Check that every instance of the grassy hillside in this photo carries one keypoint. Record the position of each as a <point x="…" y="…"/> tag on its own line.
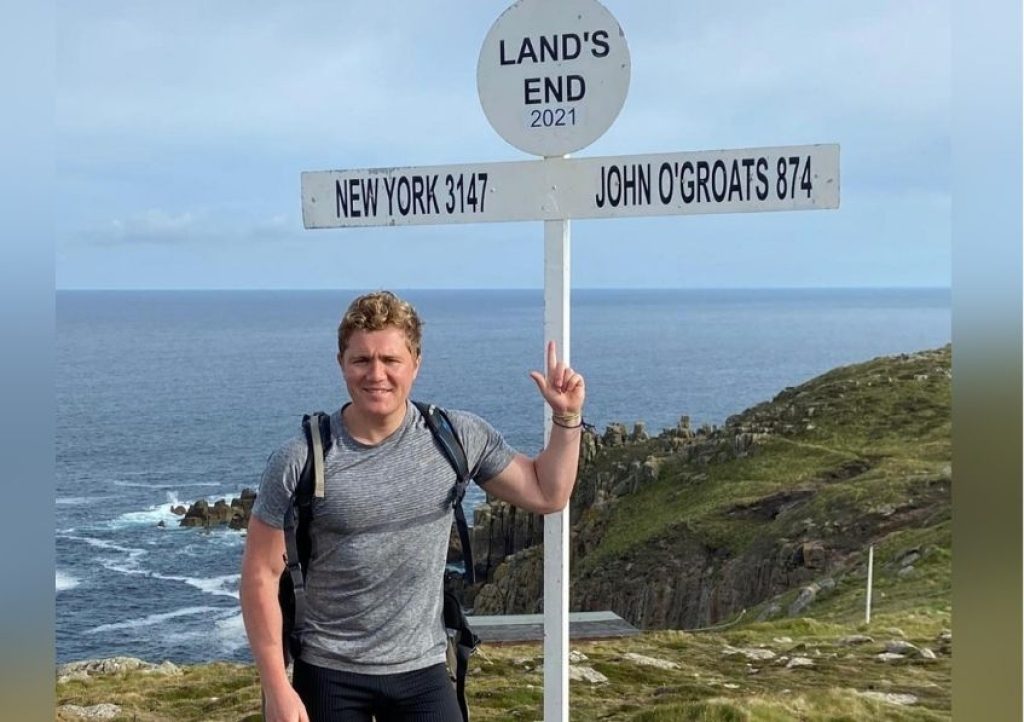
<point x="710" y="681"/>
<point x="856" y="458"/>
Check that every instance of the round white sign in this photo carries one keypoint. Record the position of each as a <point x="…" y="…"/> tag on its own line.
<point x="553" y="74"/>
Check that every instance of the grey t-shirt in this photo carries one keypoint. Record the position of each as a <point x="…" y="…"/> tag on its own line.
<point x="379" y="540"/>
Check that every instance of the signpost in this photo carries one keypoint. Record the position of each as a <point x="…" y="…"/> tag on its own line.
<point x="787" y="178"/>
<point x="552" y="77"/>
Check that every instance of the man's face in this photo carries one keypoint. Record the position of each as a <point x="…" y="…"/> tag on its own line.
<point x="379" y="369"/>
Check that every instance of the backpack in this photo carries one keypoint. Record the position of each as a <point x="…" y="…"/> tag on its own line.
<point x="291" y="593"/>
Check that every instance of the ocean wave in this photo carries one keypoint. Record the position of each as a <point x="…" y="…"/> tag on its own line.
<point x="163" y="485"/>
<point x="230" y="633"/>
<point x="127" y="561"/>
<point x="151" y="619"/>
<point x="151" y="516"/>
<point x="223" y="586"/>
<point x="222" y="538"/>
<point x="80" y="500"/>
<point x="107" y="545"/>
<point x="218" y="586"/>
<point x="65" y="581"/>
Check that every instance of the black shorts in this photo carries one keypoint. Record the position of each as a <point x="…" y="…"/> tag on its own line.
<point x="423" y="695"/>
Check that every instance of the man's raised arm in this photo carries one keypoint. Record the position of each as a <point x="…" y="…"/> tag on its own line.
<point x="544" y="484"/>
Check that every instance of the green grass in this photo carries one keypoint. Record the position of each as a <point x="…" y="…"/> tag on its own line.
<point x="506" y="682"/>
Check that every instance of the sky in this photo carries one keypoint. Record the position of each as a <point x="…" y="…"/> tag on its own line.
<point x="182" y="129"/>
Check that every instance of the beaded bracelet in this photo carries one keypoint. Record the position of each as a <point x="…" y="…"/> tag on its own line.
<point x="566" y="421"/>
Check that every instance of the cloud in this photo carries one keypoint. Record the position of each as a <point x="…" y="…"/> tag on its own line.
<point x="185" y="125"/>
<point x="151" y="226"/>
<point x="157" y="227"/>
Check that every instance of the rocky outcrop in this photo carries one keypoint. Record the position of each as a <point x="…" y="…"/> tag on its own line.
<point x="112" y="665"/>
<point x="614" y="464"/>
<point x="234" y="514"/>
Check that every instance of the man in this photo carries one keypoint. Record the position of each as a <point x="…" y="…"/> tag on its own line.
<point x="375" y="644"/>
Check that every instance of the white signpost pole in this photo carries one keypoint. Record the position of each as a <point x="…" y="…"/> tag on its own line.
<point x="552" y="77"/>
<point x="556" y="526"/>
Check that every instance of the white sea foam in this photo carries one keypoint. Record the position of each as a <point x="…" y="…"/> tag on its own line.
<point x="151" y="619"/>
<point x="66" y="581"/>
<point x="127" y="561"/>
<point x="225" y="538"/>
<point x="148" y="517"/>
<point x="223" y="586"/>
<point x="230" y="633"/>
<point x="104" y="544"/>
<point x="158" y="485"/>
<point x="78" y="500"/>
<point x="153" y="515"/>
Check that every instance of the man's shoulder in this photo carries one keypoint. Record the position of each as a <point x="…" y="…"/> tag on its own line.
<point x="297" y="445"/>
<point x="460" y="418"/>
<point x="294" y="447"/>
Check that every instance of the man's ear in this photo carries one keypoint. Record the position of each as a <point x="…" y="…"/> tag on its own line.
<point x="341" y="359"/>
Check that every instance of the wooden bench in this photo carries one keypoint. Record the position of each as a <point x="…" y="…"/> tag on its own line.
<point x="508" y="628"/>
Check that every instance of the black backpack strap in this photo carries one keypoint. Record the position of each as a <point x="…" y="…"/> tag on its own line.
<point x="465" y="642"/>
<point x="317" y="430"/>
<point x="444" y="434"/>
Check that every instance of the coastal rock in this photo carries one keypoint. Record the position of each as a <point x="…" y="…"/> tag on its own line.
<point x="889" y="697"/>
<point x="234" y="513"/>
<point x="578" y="673"/>
<point x="198" y="514"/>
<point x="499" y="531"/>
<point x="113" y="665"/>
<point x="614" y="435"/>
<point x="751" y="653"/>
<point x="799" y="662"/>
<point x="516" y="586"/>
<point x="899" y="646"/>
<point x="645" y="661"/>
<point x="808" y="594"/>
<point x="96" y="711"/>
<point x="639" y="432"/>
<point x="889" y="657"/>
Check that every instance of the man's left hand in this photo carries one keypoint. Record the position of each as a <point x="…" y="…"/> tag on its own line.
<point x="562" y="388"/>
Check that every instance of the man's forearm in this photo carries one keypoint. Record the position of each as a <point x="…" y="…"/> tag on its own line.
<point x="261" y="614"/>
<point x="558" y="464"/>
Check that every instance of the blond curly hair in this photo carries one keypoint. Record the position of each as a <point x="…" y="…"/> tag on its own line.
<point x="377" y="311"/>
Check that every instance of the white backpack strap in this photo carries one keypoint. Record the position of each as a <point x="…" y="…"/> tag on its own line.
<point x="318" y="458"/>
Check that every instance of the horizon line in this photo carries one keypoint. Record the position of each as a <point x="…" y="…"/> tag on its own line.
<point x="522" y="288"/>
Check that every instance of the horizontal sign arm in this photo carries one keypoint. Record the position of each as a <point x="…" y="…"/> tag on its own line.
<point x="788" y="178"/>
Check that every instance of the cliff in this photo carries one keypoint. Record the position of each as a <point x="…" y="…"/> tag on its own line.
<point x="771" y="513"/>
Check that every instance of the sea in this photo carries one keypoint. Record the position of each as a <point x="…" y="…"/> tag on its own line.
<point x="167" y="397"/>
